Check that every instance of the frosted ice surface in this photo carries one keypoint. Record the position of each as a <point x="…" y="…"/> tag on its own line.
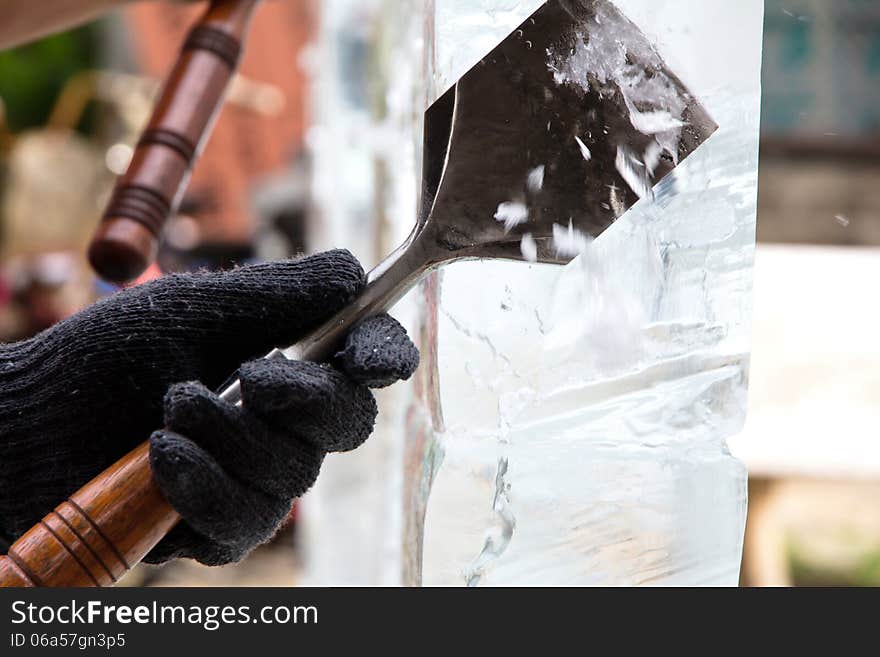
<point x="465" y="31"/>
<point x="586" y="409"/>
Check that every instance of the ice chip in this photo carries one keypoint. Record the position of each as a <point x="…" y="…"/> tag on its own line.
<point x="529" y="248"/>
<point x="651" y="123"/>
<point x="633" y="173"/>
<point x="616" y="200"/>
<point x="569" y="241"/>
<point x="652" y="157"/>
<point x="584" y="150"/>
<point x="535" y="181"/>
<point x="512" y="214"/>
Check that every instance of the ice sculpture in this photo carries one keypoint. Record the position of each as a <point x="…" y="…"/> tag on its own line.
<point x="572" y="421"/>
<point x="580" y="432"/>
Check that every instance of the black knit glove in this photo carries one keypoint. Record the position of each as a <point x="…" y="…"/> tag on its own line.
<point x="79" y="396"/>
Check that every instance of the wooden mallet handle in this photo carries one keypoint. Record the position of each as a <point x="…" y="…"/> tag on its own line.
<point x="143" y="199"/>
<point x="98" y="534"/>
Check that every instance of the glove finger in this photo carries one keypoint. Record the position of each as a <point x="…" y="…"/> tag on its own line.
<point x="208" y="499"/>
<point x="378" y="352"/>
<point x="183" y="542"/>
<point x="319" y="402"/>
<point x="275" y="462"/>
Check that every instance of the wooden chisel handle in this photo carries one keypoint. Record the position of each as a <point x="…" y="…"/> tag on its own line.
<point x="149" y="192"/>
<point x="98" y="534"/>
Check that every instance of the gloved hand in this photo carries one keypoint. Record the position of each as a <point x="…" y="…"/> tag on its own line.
<point x="80" y="395"/>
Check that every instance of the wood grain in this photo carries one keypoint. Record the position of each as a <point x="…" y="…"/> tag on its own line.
<point x="93" y="538"/>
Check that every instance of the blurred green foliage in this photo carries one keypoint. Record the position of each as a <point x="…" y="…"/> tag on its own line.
<point x="32" y="75"/>
<point x="863" y="571"/>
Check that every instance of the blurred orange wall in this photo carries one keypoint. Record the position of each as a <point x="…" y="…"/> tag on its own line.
<point x="244" y="144"/>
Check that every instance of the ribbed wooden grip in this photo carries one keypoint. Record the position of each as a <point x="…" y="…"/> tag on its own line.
<point x="93" y="538"/>
<point x="127" y="239"/>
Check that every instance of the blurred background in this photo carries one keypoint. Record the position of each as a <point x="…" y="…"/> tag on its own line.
<point x="72" y="105"/>
<point x="811" y="435"/>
